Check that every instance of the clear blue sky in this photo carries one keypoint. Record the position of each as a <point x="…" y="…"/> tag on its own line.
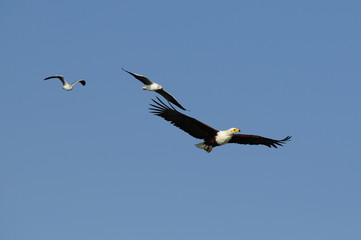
<point x="94" y="164"/>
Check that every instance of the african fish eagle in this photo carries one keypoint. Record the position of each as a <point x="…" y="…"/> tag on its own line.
<point x="211" y="136"/>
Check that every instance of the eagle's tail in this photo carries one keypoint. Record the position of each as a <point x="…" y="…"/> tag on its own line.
<point x="204" y="146"/>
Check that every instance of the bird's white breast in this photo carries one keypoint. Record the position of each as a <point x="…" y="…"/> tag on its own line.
<point x="67" y="87"/>
<point x="223" y="137"/>
<point x="153" y="87"/>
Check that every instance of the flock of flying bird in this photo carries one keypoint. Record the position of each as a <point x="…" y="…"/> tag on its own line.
<point x="211" y="137"/>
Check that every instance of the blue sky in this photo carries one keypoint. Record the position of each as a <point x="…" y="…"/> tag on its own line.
<point x="93" y="163"/>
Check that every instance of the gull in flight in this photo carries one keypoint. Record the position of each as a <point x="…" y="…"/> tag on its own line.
<point x="66" y="85"/>
<point x="152" y="86"/>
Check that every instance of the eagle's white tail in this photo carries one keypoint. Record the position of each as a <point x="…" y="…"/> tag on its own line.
<point x="204" y="146"/>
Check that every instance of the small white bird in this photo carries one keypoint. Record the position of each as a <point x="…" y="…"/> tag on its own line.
<point x="152" y="86"/>
<point x="66" y="85"/>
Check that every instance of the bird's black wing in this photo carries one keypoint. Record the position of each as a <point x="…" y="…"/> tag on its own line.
<point x="170" y="98"/>
<point x="190" y="125"/>
<point x="61" y="77"/>
<point x="141" y="78"/>
<point x="257" y="140"/>
<point x="83" y="82"/>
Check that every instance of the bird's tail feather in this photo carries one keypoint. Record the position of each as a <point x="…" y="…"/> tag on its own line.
<point x="204" y="146"/>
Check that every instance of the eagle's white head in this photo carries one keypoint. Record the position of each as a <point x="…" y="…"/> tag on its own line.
<point x="233" y="130"/>
<point x="223" y="137"/>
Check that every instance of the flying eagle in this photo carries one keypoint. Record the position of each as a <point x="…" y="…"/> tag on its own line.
<point x="152" y="86"/>
<point x="66" y="85"/>
<point x="211" y="136"/>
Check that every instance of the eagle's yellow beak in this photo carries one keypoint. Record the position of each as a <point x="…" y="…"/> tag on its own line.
<point x="237" y="130"/>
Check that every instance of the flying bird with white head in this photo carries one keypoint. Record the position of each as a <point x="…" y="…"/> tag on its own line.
<point x="66" y="85"/>
<point x="152" y="86"/>
<point x="212" y="137"/>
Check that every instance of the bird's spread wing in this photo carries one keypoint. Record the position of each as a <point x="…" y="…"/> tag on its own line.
<point x="141" y="78"/>
<point x="170" y="98"/>
<point x="190" y="125"/>
<point x="61" y="77"/>
<point x="257" y="140"/>
<point x="83" y="82"/>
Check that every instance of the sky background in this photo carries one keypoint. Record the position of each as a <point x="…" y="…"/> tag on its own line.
<point x="93" y="163"/>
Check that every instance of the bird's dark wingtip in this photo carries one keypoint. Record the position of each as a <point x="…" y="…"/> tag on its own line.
<point x="286" y="139"/>
<point x="128" y="72"/>
<point x="281" y="142"/>
<point x="181" y="107"/>
<point x="160" y="104"/>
